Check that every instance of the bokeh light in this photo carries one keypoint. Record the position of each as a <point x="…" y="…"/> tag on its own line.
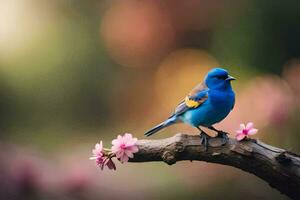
<point x="180" y="71"/>
<point x="136" y="33"/>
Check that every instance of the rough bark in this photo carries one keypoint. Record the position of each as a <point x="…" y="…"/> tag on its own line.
<point x="278" y="167"/>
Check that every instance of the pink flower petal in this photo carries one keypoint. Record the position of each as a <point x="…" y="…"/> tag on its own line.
<point x="127" y="136"/>
<point x="115" y="142"/>
<point x="242" y="126"/>
<point x="118" y="140"/>
<point x="249" y="125"/>
<point x="124" y="158"/>
<point x="240" y="137"/>
<point x="100" y="162"/>
<point x="94" y="151"/>
<point x="124" y="147"/>
<point x="120" y="154"/>
<point x="98" y="150"/>
<point x="134" y="149"/>
<point x="129" y="153"/>
<point x="114" y="149"/>
<point x="132" y="142"/>
<point x="93" y="158"/>
<point x="239" y="131"/>
<point x="252" y="131"/>
<point x="129" y="140"/>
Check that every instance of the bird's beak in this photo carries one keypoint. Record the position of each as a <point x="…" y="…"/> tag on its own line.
<point x="230" y="78"/>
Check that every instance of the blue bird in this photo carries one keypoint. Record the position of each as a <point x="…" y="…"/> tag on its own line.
<point x="208" y="103"/>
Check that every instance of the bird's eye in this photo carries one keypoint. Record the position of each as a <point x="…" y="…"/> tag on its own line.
<point x="223" y="77"/>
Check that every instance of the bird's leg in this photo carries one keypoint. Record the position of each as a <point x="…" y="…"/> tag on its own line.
<point x="221" y="134"/>
<point x="204" y="138"/>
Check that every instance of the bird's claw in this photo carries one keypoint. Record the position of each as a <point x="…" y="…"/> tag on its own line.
<point x="224" y="136"/>
<point x="204" y="139"/>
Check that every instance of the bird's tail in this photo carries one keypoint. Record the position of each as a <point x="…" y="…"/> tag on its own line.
<point x="168" y="122"/>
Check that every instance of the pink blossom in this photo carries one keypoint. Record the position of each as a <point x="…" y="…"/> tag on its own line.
<point x="98" y="151"/>
<point x="124" y="147"/>
<point x="100" y="157"/>
<point x="98" y="154"/>
<point x="244" y="131"/>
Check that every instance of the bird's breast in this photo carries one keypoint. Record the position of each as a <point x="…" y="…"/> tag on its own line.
<point x="222" y="99"/>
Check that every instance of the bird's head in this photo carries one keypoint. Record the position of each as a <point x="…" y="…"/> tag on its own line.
<point x="218" y="78"/>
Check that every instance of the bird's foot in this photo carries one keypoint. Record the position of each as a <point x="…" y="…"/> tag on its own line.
<point x="204" y="139"/>
<point x="224" y="136"/>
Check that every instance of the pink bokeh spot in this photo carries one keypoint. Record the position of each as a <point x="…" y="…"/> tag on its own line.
<point x="124" y="147"/>
<point x="245" y="130"/>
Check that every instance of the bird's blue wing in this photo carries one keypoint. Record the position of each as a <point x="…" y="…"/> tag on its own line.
<point x="196" y="97"/>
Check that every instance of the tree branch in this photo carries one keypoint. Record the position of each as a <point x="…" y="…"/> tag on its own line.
<point x="278" y="167"/>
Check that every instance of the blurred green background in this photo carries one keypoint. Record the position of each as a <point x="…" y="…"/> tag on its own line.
<point x="75" y="72"/>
